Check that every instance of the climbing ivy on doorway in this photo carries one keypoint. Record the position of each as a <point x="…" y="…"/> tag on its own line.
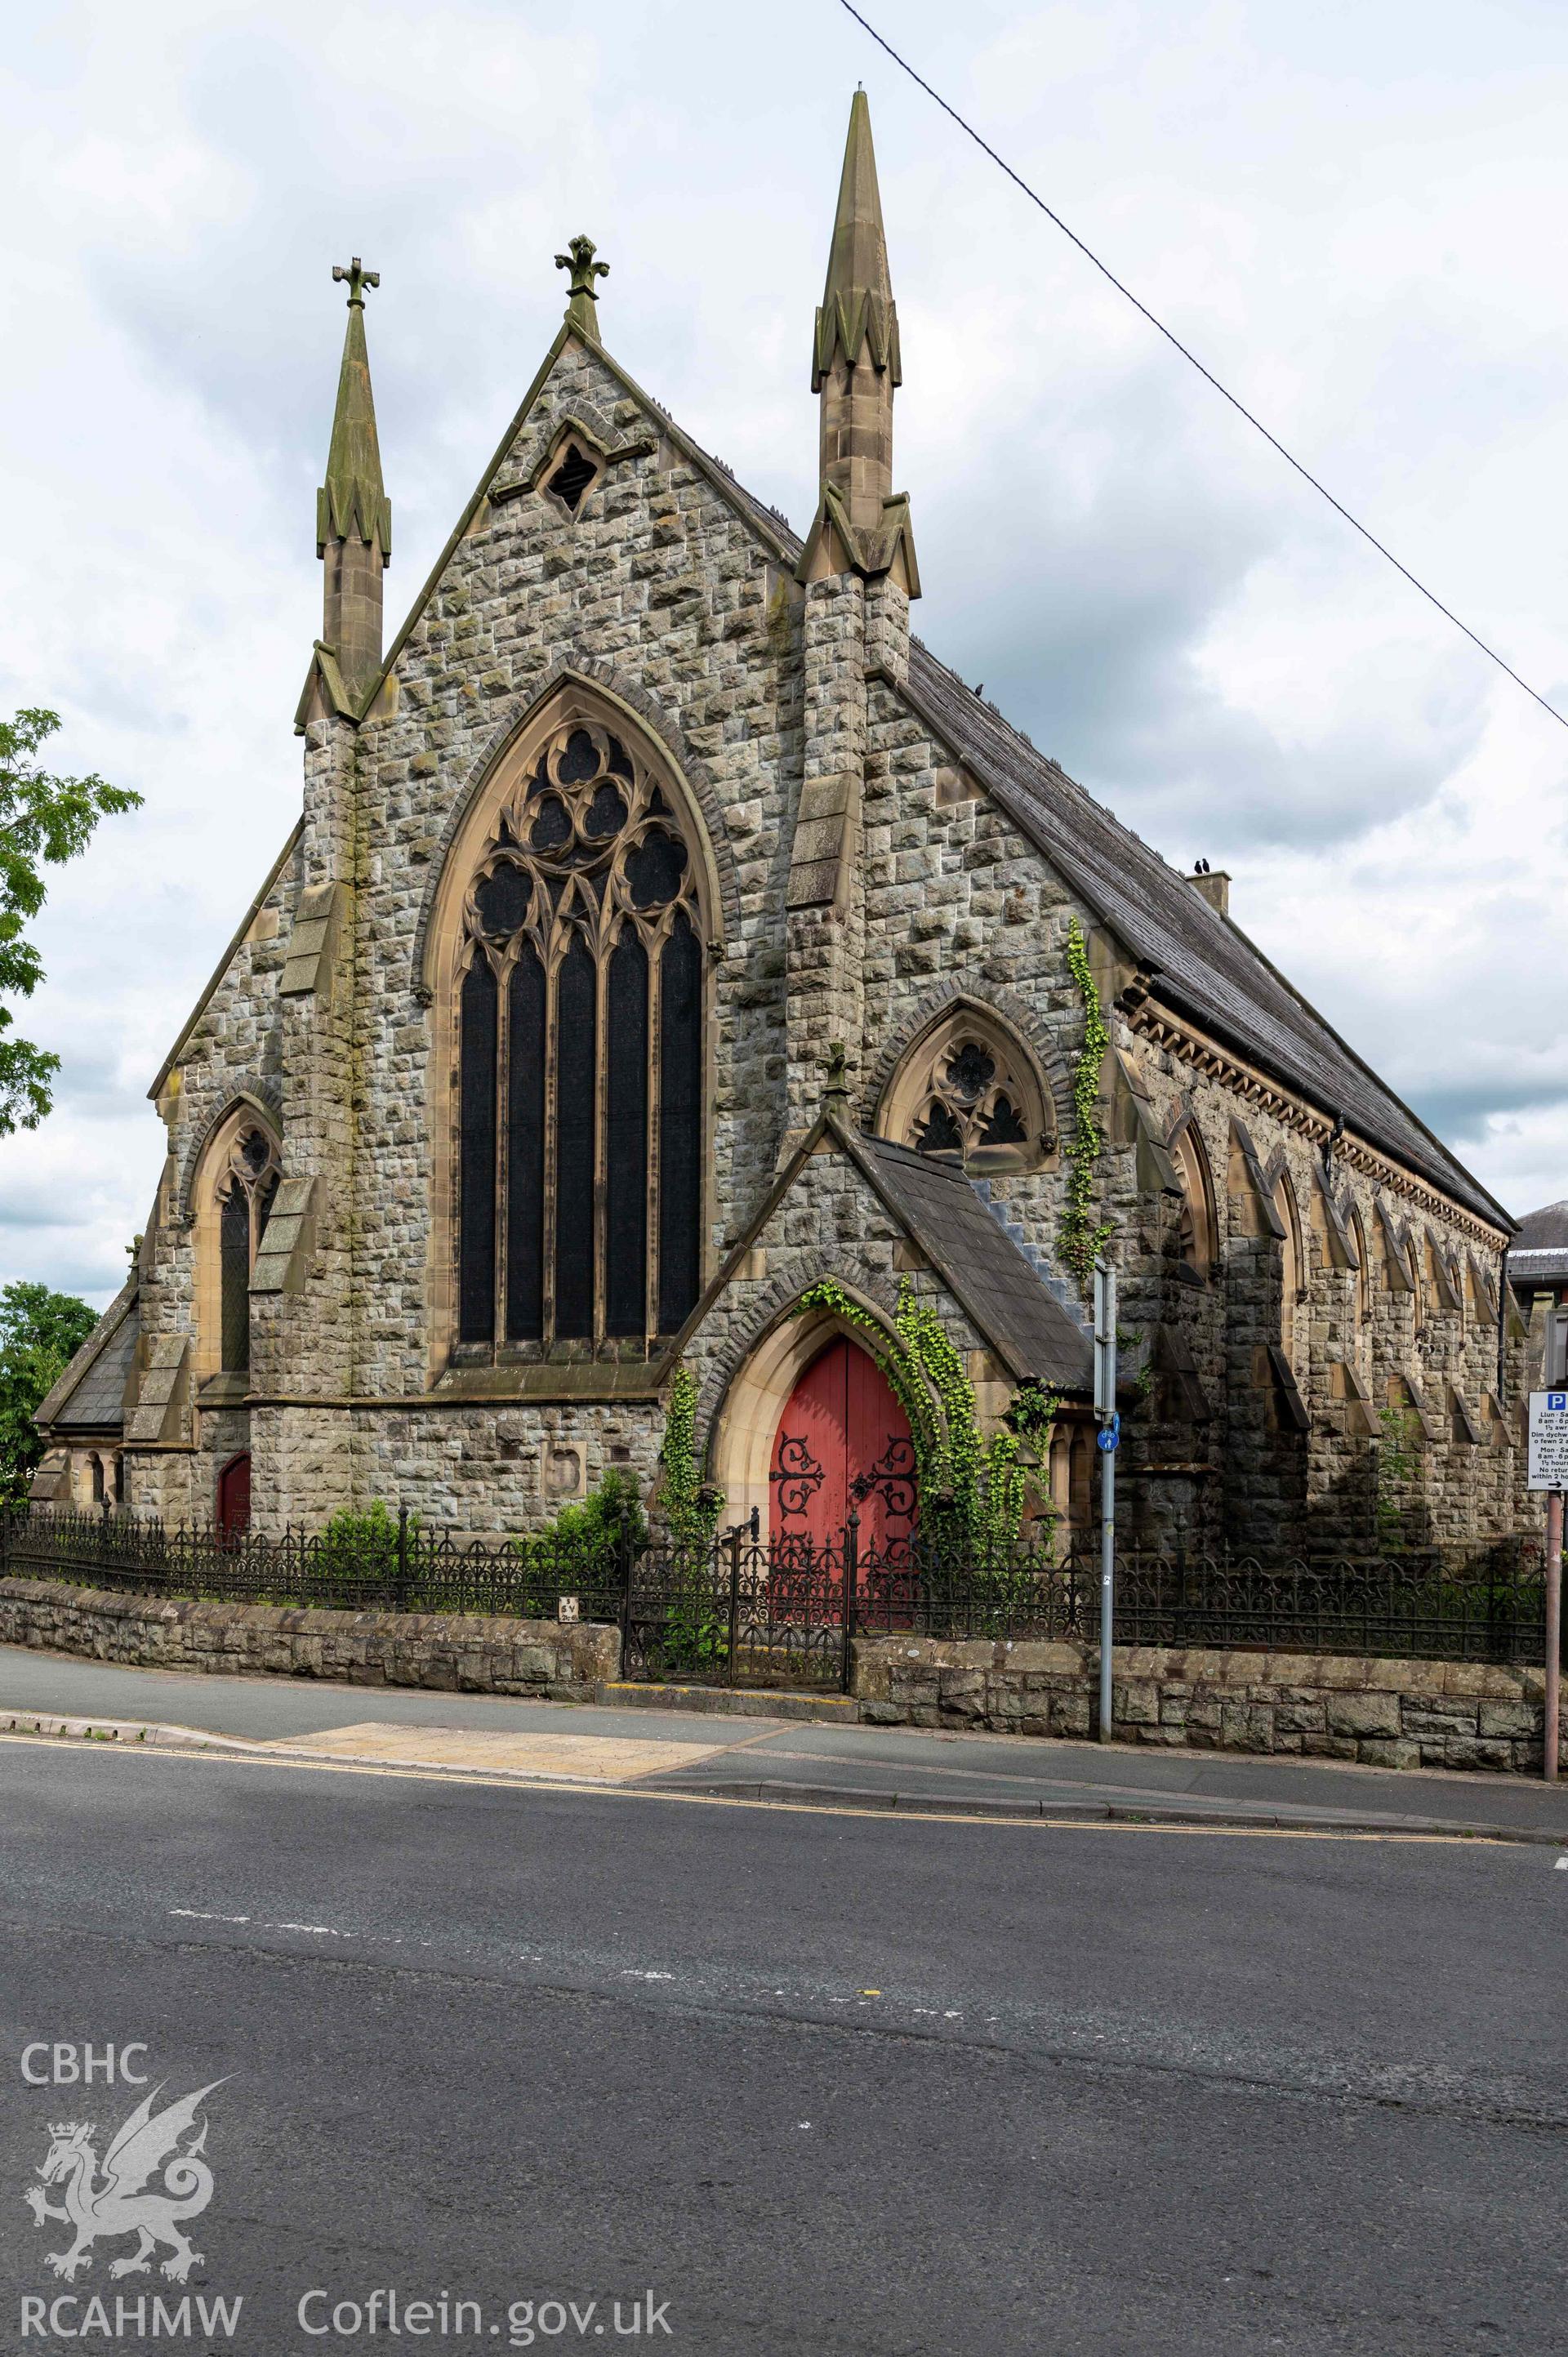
<point x="973" y="1489"/>
<point x="1080" y="1238"/>
<point x="691" y="1507"/>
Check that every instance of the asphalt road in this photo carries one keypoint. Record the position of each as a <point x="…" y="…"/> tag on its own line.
<point x="820" y="2083"/>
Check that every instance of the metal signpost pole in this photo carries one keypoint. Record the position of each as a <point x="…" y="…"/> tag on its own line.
<point x="1110" y="1433"/>
<point x="1552" y="1729"/>
<point x="1548" y="1466"/>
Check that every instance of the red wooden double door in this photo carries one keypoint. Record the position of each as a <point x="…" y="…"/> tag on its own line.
<point x="842" y="1444"/>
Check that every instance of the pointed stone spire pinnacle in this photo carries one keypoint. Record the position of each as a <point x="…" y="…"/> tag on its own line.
<point x="857" y="313"/>
<point x="582" y="309"/>
<point x="861" y="525"/>
<point x="352" y="499"/>
<point x="353" y="514"/>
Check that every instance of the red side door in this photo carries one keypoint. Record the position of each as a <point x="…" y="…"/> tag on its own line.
<point x="843" y="1441"/>
<point x="234" y="1497"/>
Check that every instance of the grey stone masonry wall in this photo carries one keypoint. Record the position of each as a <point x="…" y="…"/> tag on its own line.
<point x="451" y="1652"/>
<point x="236" y="1049"/>
<point x="1386" y="1713"/>
<point x="1360" y="1334"/>
<point x="660" y="591"/>
<point x="304" y="1340"/>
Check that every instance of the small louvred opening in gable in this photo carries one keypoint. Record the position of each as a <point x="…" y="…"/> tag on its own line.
<point x="573" y="477"/>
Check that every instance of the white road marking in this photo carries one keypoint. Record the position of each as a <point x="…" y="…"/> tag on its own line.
<point x="204" y="1915"/>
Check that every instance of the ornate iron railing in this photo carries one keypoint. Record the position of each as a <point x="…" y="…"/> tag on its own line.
<point x="399" y="1567"/>
<point x="748" y="1610"/>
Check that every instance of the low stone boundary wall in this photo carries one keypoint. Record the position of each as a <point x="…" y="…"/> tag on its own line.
<point x="1387" y="1714"/>
<point x="453" y="1653"/>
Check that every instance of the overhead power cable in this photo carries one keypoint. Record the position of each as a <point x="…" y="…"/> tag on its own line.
<point x="1208" y="374"/>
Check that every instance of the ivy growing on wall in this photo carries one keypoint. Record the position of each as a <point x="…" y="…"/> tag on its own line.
<point x="1397" y="1462"/>
<point x="691" y="1507"/>
<point x="973" y="1489"/>
<point x="1080" y="1239"/>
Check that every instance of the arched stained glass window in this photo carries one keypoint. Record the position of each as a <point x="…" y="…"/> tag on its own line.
<point x="580" y="1042"/>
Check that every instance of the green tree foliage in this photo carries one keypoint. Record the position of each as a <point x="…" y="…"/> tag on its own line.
<point x="586" y="1540"/>
<point x="361" y="1543"/>
<point x="40" y="1332"/>
<point x="44" y="822"/>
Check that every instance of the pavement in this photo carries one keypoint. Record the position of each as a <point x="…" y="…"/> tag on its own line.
<point x="799" y="1763"/>
<point x="787" y="2082"/>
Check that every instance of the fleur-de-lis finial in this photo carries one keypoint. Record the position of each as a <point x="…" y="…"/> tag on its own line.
<point x="582" y="311"/>
<point x="358" y="278"/>
<point x="578" y="259"/>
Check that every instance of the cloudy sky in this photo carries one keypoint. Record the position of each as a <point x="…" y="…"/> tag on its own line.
<point x="1354" y="212"/>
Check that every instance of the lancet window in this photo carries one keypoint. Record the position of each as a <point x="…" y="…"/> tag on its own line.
<point x="247" y="1184"/>
<point x="1197" y="1246"/>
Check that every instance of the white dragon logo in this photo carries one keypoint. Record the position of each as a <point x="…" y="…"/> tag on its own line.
<point x="121" y="2201"/>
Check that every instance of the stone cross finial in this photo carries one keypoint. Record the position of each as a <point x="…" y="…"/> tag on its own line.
<point x="358" y="278"/>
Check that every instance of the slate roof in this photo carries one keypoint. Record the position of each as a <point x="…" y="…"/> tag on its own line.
<point x="1539" y="1253"/>
<point x="90" y="1395"/>
<point x="1005" y="1296"/>
<point x="1542" y="1230"/>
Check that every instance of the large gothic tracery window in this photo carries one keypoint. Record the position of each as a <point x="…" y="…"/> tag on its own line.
<point x="580" y="1043"/>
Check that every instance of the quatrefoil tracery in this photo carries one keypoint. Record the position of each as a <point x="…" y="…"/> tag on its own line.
<point x="972" y="1102"/>
<point x="252" y="1167"/>
<point x="587" y="846"/>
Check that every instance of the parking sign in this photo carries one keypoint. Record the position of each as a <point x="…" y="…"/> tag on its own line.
<point x="1549" y="1440"/>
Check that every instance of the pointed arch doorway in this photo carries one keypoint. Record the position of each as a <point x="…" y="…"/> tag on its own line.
<point x="843" y="1443"/>
<point x="234" y="1496"/>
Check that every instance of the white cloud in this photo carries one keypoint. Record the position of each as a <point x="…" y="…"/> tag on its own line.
<point x="1350" y="214"/>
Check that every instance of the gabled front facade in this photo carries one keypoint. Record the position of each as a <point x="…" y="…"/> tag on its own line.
<point x="665" y="932"/>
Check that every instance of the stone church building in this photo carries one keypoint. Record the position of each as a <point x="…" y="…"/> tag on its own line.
<point x="666" y="929"/>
